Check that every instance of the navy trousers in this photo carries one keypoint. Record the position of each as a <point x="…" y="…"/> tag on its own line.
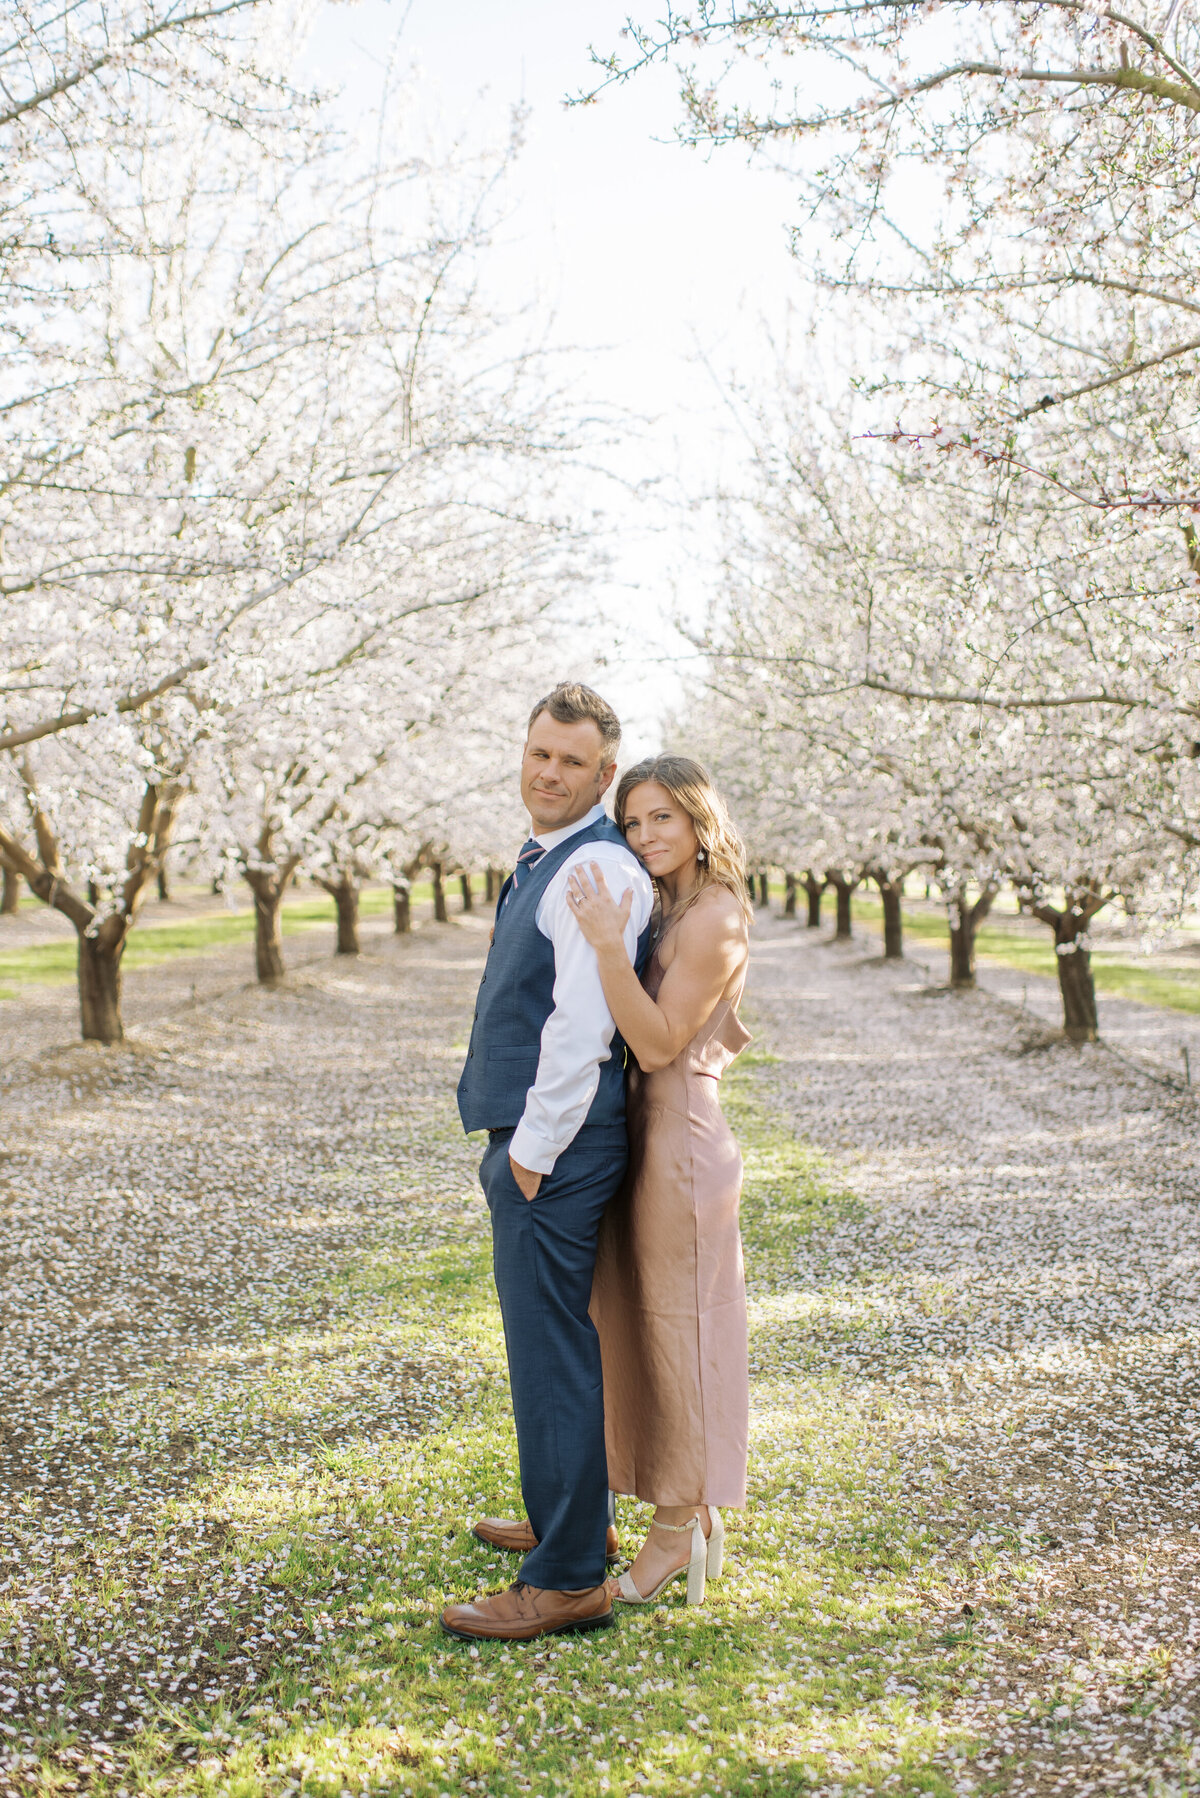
<point x="544" y="1255"/>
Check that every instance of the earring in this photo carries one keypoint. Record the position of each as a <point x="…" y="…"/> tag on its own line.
<point x="702" y="856"/>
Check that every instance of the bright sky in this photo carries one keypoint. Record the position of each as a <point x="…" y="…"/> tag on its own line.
<point x="647" y="253"/>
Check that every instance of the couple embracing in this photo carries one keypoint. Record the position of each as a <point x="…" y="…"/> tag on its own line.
<point x="613" y="1204"/>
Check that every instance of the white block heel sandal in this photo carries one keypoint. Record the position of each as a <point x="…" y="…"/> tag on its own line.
<point x="716" y="1544"/>
<point x="706" y="1560"/>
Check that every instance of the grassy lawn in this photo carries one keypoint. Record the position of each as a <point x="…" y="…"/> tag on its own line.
<point x="1010" y="941"/>
<point x="155" y="941"/>
<point x="1003" y="939"/>
<point x="811" y="1664"/>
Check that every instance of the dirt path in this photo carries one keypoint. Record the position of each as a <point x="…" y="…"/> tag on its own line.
<point x="1022" y="1301"/>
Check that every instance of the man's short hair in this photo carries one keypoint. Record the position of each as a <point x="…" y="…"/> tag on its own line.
<point x="570" y="703"/>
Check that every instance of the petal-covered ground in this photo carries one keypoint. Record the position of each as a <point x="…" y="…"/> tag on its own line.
<point x="252" y="1391"/>
<point x="1021" y="1299"/>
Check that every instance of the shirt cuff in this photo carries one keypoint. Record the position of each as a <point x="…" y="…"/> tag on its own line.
<point x="531" y="1151"/>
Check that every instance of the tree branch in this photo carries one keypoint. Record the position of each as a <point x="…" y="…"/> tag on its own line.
<point x="1100" y="502"/>
<point x="158" y="28"/>
<point x="132" y="702"/>
<point x="1000" y="703"/>
<point x="763" y="20"/>
<point x="1120" y="77"/>
<point x="1121" y="374"/>
<point x="48" y="886"/>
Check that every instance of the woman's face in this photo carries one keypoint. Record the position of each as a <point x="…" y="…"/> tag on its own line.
<point x="658" y="830"/>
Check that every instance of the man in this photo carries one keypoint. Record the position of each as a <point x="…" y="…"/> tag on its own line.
<point x="544" y="1076"/>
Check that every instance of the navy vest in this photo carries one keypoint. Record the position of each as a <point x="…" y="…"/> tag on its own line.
<point x="516" y="996"/>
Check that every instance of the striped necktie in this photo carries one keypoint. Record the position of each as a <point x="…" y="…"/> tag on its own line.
<point x="531" y="854"/>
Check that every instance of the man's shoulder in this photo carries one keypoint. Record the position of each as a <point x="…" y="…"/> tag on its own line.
<point x="603" y="830"/>
<point x="614" y="855"/>
<point x="600" y="838"/>
<point x="613" y="848"/>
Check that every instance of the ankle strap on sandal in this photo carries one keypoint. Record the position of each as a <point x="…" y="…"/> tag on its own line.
<point x="676" y="1529"/>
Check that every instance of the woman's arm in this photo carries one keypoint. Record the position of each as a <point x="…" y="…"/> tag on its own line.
<point x="709" y="940"/>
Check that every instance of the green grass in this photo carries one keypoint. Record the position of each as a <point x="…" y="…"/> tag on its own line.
<point x="151" y="943"/>
<point x="1003" y="940"/>
<point x="1012" y="943"/>
<point x="786" y="1679"/>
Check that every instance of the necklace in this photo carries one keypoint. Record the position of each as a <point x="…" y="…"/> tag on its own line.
<point x="660" y="929"/>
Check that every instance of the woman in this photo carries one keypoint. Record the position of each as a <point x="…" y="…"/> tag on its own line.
<point x="669" y="1298"/>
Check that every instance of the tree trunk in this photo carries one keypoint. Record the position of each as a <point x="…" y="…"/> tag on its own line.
<point x="164" y="885"/>
<point x="492" y="884"/>
<point x="844" y="889"/>
<point x="962" y="951"/>
<point x="965" y="921"/>
<point x="464" y="881"/>
<point x="750" y="886"/>
<point x="789" y="895"/>
<point x="100" y="988"/>
<point x="101" y="944"/>
<point x="439" y="893"/>
<point x="893" y="917"/>
<point x="268" y="932"/>
<point x="345" y="897"/>
<point x="1076" y="983"/>
<point x="401" y="907"/>
<point x="814" y="888"/>
<point x="1077" y="986"/>
<point x="267" y="890"/>
<point x="10" y="890"/>
<point x="764" y="893"/>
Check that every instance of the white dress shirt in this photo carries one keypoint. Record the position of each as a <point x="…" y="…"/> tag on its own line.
<point x="577" y="1035"/>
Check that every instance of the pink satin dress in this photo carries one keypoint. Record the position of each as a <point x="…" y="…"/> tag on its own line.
<point x="669" y="1296"/>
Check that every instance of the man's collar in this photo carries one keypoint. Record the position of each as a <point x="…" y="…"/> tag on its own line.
<point x="550" y="839"/>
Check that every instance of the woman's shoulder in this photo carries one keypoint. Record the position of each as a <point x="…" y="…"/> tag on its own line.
<point x="715" y="911"/>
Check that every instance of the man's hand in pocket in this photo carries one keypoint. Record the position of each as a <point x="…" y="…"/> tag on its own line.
<point x="526" y="1179"/>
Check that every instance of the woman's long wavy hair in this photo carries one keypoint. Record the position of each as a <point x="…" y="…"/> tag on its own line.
<point x="690" y="786"/>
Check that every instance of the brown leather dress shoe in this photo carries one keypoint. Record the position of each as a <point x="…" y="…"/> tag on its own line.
<point x="518" y="1538"/>
<point x="525" y="1612"/>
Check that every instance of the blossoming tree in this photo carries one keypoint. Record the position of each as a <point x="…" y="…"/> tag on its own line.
<point x="275" y="438"/>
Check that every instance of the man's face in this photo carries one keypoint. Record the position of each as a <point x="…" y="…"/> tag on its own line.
<point x="563" y="771"/>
